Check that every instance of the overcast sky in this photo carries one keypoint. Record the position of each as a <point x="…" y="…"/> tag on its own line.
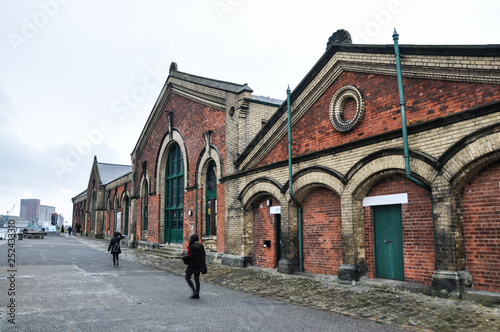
<point x="79" y="78"/>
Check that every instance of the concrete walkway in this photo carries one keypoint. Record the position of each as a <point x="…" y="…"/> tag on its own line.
<point x="404" y="309"/>
<point x="65" y="284"/>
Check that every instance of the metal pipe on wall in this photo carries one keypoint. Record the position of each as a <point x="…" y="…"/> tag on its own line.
<point x="299" y="207"/>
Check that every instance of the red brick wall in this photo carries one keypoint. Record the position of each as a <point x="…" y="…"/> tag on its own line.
<point x="418" y="237"/>
<point x="481" y="205"/>
<point x="154" y="219"/>
<point x="110" y="214"/>
<point x="322" y="232"/>
<point x="264" y="229"/>
<point x="192" y="120"/>
<point x="425" y="100"/>
<point x="189" y="221"/>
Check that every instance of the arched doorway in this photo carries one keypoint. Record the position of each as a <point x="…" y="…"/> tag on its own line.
<point x="399" y="239"/>
<point x="267" y="241"/>
<point x="174" y="196"/>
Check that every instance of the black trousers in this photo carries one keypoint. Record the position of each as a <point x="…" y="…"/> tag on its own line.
<point x="196" y="291"/>
<point x="115" y="259"/>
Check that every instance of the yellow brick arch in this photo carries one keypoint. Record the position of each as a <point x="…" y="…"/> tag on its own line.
<point x="162" y="158"/>
<point x="471" y="158"/>
<point x="307" y="182"/>
<point x="259" y="188"/>
<point x="364" y="178"/>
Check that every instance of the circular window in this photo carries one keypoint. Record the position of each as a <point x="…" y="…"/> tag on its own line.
<point x="343" y="114"/>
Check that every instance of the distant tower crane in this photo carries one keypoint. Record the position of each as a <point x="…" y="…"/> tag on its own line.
<point x="5" y="219"/>
<point x="12" y="209"/>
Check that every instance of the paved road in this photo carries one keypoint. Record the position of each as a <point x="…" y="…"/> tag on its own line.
<point x="61" y="284"/>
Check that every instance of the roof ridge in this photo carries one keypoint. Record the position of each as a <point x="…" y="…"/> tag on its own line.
<point x="215" y="83"/>
<point x="99" y="163"/>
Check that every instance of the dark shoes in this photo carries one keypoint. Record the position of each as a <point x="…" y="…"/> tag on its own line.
<point x="195" y="296"/>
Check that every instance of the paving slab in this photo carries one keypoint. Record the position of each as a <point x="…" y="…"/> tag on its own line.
<point x="407" y="310"/>
<point x="70" y="284"/>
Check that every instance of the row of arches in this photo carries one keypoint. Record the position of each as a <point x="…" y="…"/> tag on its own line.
<point x="117" y="216"/>
<point x="103" y="220"/>
<point x="453" y="228"/>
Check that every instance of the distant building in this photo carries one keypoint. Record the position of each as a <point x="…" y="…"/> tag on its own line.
<point x="11" y="221"/>
<point x="30" y="209"/>
<point x="56" y="219"/>
<point x="46" y="212"/>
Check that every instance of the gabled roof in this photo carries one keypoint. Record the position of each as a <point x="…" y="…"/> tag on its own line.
<point x="191" y="87"/>
<point x="216" y="84"/>
<point x="268" y="100"/>
<point x="80" y="195"/>
<point x="350" y="57"/>
<point x="110" y="172"/>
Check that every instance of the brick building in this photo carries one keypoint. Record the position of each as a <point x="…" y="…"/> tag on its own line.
<point x="104" y="207"/>
<point x="370" y="198"/>
<point x="189" y="143"/>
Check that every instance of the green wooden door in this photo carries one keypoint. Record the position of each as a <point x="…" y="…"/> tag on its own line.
<point x="388" y="239"/>
<point x="174" y="197"/>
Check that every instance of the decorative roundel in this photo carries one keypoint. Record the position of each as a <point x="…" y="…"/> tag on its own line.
<point x="340" y="98"/>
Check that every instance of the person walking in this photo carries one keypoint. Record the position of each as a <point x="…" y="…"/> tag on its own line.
<point x="114" y="246"/>
<point x="195" y="261"/>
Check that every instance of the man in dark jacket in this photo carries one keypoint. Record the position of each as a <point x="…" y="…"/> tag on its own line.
<point x="115" y="250"/>
<point x="195" y="260"/>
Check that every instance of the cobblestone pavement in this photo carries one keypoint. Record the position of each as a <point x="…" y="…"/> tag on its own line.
<point x="411" y="311"/>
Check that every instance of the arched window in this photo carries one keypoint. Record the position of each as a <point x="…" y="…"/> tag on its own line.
<point x="174" y="196"/>
<point x="211" y="201"/>
<point x="116" y="225"/>
<point x="108" y="215"/>
<point x="145" y="206"/>
<point x="93" y="210"/>
<point x="126" y="209"/>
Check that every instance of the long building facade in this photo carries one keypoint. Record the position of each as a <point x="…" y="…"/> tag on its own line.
<point x="361" y="194"/>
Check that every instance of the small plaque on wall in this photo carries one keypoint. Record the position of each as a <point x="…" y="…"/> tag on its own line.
<point x="275" y="209"/>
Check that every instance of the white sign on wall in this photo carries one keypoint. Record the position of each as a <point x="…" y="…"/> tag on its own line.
<point x="275" y="209"/>
<point x="385" y="200"/>
<point x="118" y="221"/>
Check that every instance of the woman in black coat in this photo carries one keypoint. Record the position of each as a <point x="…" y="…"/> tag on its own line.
<point x="115" y="251"/>
<point x="195" y="260"/>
